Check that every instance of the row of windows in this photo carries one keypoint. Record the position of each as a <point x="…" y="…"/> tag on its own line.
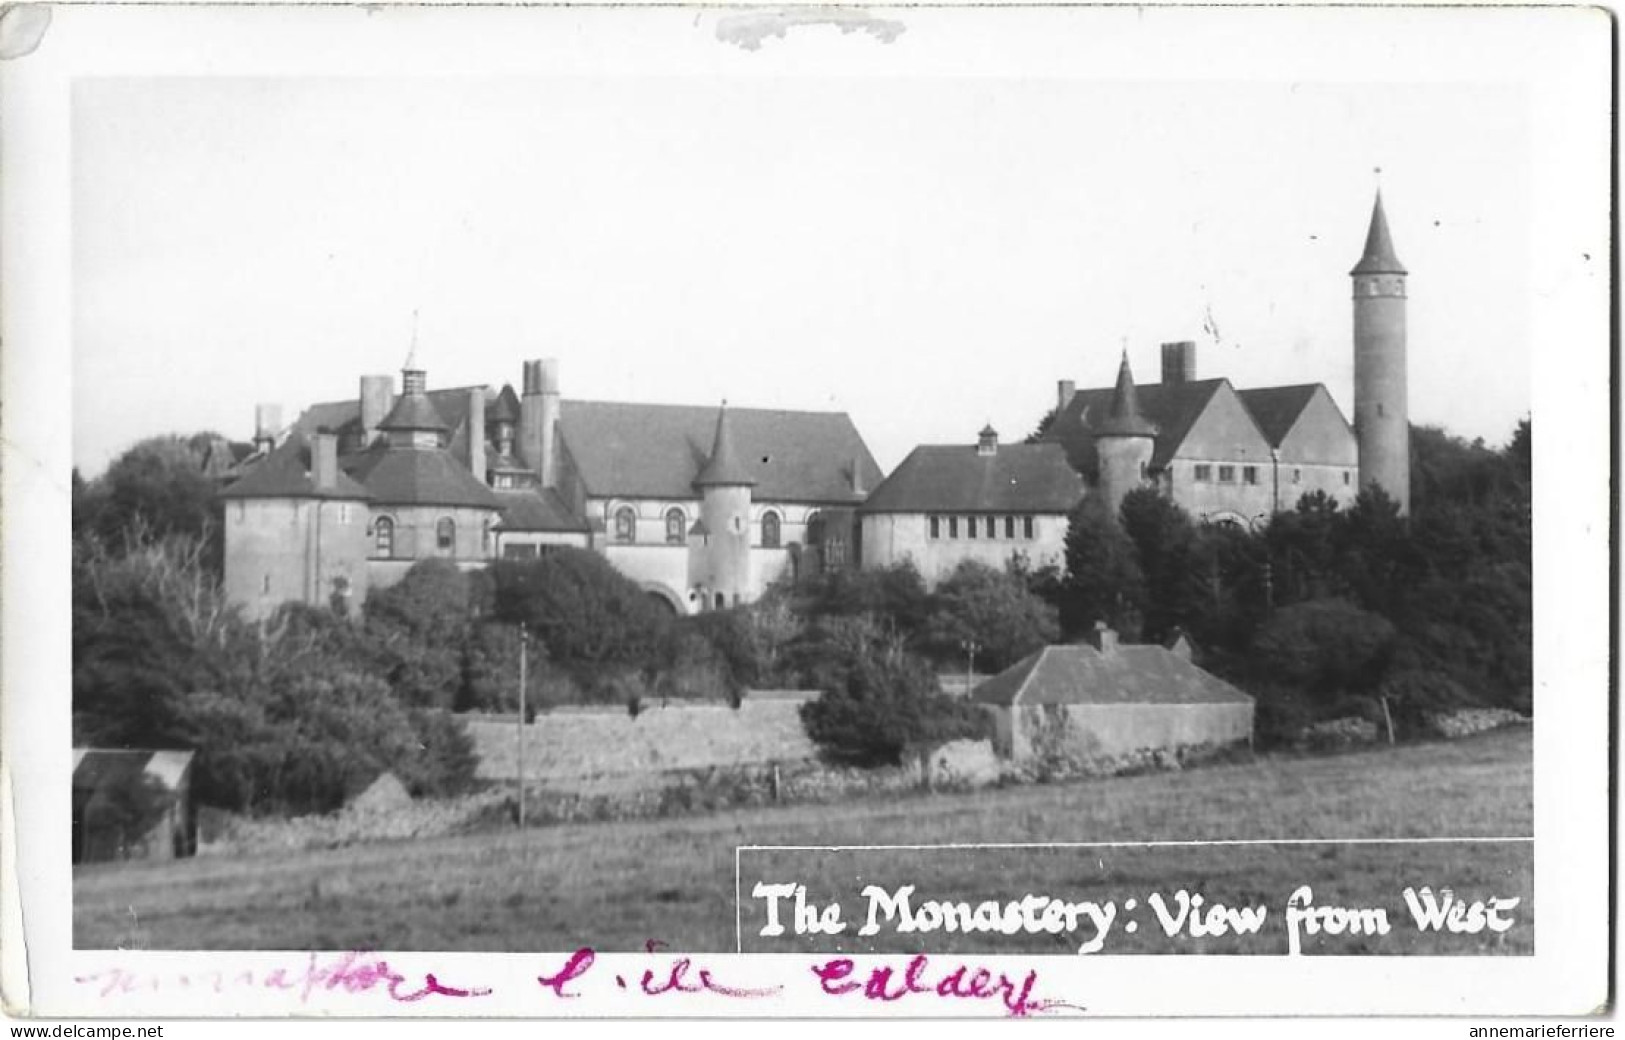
<point x="445" y="536"/>
<point x="980" y="526"/>
<point x="626" y="526"/>
<point x="1249" y="474"/>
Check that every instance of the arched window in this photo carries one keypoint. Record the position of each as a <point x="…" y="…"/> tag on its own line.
<point x="445" y="536"/>
<point x="626" y="524"/>
<point x="770" y="530"/>
<point x="676" y="526"/>
<point x="383" y="537"/>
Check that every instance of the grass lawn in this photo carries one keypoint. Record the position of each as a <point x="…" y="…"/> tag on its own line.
<point x="615" y="885"/>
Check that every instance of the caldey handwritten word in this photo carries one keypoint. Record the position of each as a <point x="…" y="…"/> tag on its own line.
<point x="956" y="982"/>
<point x="1033" y="914"/>
<point x="352" y="972"/>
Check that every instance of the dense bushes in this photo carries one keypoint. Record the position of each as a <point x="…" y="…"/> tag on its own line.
<point x="884" y="705"/>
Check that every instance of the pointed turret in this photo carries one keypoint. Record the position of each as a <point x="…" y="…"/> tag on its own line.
<point x="723" y="468"/>
<point x="1124" y="419"/>
<point x="1381" y="409"/>
<point x="1379" y="255"/>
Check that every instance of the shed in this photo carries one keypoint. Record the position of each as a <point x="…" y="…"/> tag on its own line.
<point x="132" y="804"/>
<point x="1100" y="700"/>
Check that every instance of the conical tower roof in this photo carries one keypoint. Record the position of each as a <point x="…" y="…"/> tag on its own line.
<point x="414" y="411"/>
<point x="1379" y="255"/>
<point x="1125" y="419"/>
<point x="723" y="467"/>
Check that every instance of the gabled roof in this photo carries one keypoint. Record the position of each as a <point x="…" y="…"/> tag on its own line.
<point x="97" y="769"/>
<point x="1379" y="257"/>
<point x="657" y="450"/>
<point x="1172" y="407"/>
<point x="417" y="476"/>
<point x="1276" y="408"/>
<point x="1129" y="674"/>
<point x="287" y="473"/>
<point x="1017" y="478"/>
<point x="723" y="467"/>
<point x="537" y="509"/>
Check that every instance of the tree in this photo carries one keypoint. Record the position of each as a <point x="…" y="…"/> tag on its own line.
<point x="1326" y="648"/>
<point x="1104" y="581"/>
<point x="155" y="490"/>
<point x="887" y="706"/>
<point x="1045" y="424"/>
<point x="1165" y="545"/>
<point x="581" y="608"/>
<point x="991" y="608"/>
<point x="421" y="625"/>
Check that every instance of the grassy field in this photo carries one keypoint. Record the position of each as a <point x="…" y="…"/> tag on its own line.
<point x="616" y="885"/>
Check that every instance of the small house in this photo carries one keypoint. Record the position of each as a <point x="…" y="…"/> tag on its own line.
<point x="1102" y="700"/>
<point x="132" y="804"/>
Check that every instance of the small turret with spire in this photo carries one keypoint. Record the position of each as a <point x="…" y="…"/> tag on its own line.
<point x="1124" y="442"/>
<point x="719" y="562"/>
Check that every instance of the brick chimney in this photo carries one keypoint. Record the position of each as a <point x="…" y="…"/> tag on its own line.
<point x="377" y="398"/>
<point x="1179" y="362"/>
<point x="267" y="424"/>
<point x="1064" y="392"/>
<point x="476" y="432"/>
<point x="324" y="461"/>
<point x="1103" y="638"/>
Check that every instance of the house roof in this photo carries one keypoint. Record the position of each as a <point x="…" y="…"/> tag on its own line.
<point x="97" y="768"/>
<point x="537" y="509"/>
<point x="414" y="412"/>
<point x="658" y="450"/>
<point x="1017" y="478"/>
<point x="1276" y="408"/>
<point x="1129" y="674"/>
<point x="417" y="476"/>
<point x="1378" y="257"/>
<point x="450" y="404"/>
<point x="286" y="473"/>
<point x="1172" y="407"/>
<point x="505" y="408"/>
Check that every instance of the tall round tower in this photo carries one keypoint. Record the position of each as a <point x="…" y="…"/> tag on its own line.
<point x="1124" y="443"/>
<point x="725" y="486"/>
<point x="1381" y="415"/>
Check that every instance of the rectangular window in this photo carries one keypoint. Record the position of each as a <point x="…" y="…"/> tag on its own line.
<point x="936" y="527"/>
<point x="1204" y="472"/>
<point x="1297" y="476"/>
<point x="991" y="523"/>
<point x="519" y="552"/>
<point x="1249" y="474"/>
<point x="1227" y="474"/>
<point x="970" y="527"/>
<point x="1027" y="527"/>
<point x="1009" y="527"/>
<point x="953" y="527"/>
<point x="344" y="512"/>
<point x="1345" y="478"/>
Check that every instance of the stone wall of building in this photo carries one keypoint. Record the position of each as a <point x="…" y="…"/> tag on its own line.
<point x="1085" y="732"/>
<point x="891" y="538"/>
<point x="294" y="549"/>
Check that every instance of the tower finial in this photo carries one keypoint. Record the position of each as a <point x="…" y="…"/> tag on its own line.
<point x="412" y="351"/>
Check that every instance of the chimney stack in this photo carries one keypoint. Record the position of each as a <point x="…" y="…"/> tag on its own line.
<point x="377" y="398"/>
<point x="1103" y="638"/>
<point x="539" y="419"/>
<point x="267" y="424"/>
<point x="1064" y="391"/>
<point x="1179" y="362"/>
<point x="324" y="461"/>
<point x="476" y="433"/>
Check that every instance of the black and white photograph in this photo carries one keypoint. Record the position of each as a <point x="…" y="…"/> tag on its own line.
<point x="807" y="511"/>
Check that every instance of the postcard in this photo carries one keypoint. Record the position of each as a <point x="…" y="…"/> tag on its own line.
<point x="806" y="511"/>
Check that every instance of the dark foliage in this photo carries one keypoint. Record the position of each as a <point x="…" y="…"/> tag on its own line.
<point x="992" y="609"/>
<point x="586" y="613"/>
<point x="886" y="705"/>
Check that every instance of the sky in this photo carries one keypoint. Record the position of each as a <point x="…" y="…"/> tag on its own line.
<point x="927" y="253"/>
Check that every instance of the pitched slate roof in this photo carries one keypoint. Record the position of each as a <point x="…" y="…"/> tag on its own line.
<point x="1378" y="257"/>
<point x="1172" y="407"/>
<point x="1276" y="408"/>
<point x="414" y="412"/>
<point x="96" y="769"/>
<point x="1018" y="478"/>
<point x="657" y="450"/>
<point x="450" y="404"/>
<point x="287" y="473"/>
<point x="537" y="509"/>
<point x="1081" y="674"/>
<point x="417" y="476"/>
